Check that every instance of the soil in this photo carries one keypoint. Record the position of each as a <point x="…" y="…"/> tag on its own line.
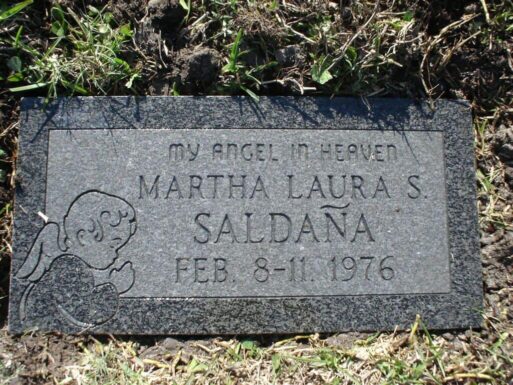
<point x="173" y="56"/>
<point x="442" y="13"/>
<point x="165" y="15"/>
<point x="40" y="358"/>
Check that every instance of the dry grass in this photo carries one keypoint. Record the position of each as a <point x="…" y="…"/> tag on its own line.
<point x="389" y="358"/>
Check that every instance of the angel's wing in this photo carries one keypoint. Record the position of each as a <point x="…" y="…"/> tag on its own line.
<point x="44" y="250"/>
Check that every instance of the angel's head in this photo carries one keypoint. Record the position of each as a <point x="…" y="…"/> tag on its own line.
<point x="97" y="225"/>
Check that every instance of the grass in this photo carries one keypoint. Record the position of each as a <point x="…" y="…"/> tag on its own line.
<point x="493" y="205"/>
<point x="83" y="56"/>
<point x="396" y="358"/>
<point x="331" y="59"/>
<point x="238" y="73"/>
<point x="7" y="12"/>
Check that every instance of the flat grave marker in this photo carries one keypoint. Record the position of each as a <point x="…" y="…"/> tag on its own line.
<point x="212" y="215"/>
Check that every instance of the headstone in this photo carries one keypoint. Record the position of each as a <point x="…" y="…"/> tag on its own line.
<point x="211" y="215"/>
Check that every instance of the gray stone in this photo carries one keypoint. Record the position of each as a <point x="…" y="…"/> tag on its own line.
<point x="171" y="344"/>
<point x="210" y="215"/>
<point x="344" y="340"/>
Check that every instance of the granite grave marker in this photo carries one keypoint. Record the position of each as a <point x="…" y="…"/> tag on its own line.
<point x="209" y="215"/>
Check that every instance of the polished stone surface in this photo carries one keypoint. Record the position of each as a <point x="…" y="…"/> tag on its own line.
<point x="207" y="215"/>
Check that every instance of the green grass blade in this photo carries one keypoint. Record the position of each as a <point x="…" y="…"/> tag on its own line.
<point x="28" y="87"/>
<point x="14" y="9"/>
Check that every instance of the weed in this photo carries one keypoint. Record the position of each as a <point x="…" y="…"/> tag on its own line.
<point x="425" y="359"/>
<point x="107" y="365"/>
<point x="251" y="349"/>
<point x="321" y="70"/>
<point x="331" y="57"/>
<point x="239" y="75"/>
<point x="186" y="5"/>
<point x="83" y="58"/>
<point x="7" y="12"/>
<point x="490" y="207"/>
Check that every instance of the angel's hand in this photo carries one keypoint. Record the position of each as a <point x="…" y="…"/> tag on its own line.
<point x="123" y="277"/>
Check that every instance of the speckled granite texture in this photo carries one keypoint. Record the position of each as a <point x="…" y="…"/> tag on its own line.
<point x="110" y="256"/>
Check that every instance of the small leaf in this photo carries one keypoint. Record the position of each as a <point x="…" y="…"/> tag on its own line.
<point x="227" y="68"/>
<point x="14" y="9"/>
<point x="276" y="362"/>
<point x="58" y="28"/>
<point x="274" y="5"/>
<point x="17" y="39"/>
<point x="108" y="17"/>
<point x="125" y="30"/>
<point x="320" y="70"/>
<point x="122" y="63"/>
<point x="325" y="77"/>
<point x="103" y="29"/>
<point x="184" y="5"/>
<point x="248" y="345"/>
<point x="174" y="90"/>
<point x="93" y="10"/>
<point x="196" y="366"/>
<point x="351" y="53"/>
<point x="253" y="96"/>
<point x="58" y="13"/>
<point x="16" y="77"/>
<point x="14" y="63"/>
<point x="75" y="87"/>
<point x="408" y="16"/>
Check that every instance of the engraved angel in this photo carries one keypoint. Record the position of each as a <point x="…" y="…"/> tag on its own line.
<point x="72" y="270"/>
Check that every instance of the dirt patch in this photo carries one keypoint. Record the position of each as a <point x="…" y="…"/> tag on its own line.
<point x="193" y="71"/>
<point x="197" y="68"/>
<point x="258" y="22"/>
<point x="31" y="359"/>
<point x="128" y="11"/>
<point x="502" y="144"/>
<point x="165" y="15"/>
<point x="443" y="12"/>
